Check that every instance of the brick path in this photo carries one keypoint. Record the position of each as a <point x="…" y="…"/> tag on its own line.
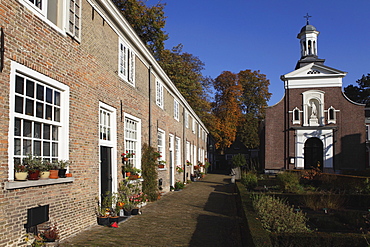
<point x="203" y="214"/>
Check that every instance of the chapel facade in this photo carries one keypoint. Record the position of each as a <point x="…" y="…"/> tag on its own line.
<point x="314" y="125"/>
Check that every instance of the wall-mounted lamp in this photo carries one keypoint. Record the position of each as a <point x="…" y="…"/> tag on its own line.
<point x="291" y="160"/>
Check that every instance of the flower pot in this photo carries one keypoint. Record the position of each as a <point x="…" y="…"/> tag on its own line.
<point x="34" y="175"/>
<point x="128" y="174"/>
<point x="135" y="211"/>
<point x="62" y="173"/>
<point x="21" y="176"/>
<point x="133" y="177"/>
<point x="44" y="174"/>
<point x="127" y="213"/>
<point x="113" y="219"/>
<point x="160" y="166"/>
<point x="103" y="221"/>
<point x="53" y="174"/>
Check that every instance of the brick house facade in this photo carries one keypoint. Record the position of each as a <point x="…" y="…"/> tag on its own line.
<point x="78" y="84"/>
<point x="315" y="124"/>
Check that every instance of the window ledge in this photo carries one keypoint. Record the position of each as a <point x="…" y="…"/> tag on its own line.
<point x="162" y="169"/>
<point x="11" y="185"/>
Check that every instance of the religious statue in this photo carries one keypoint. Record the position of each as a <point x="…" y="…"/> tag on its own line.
<point x="313" y="110"/>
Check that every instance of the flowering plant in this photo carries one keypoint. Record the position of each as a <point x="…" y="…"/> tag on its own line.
<point x="20" y="168"/>
<point x="120" y="205"/>
<point x="188" y="163"/>
<point x="138" y="198"/>
<point x="179" y="169"/>
<point x="127" y="155"/>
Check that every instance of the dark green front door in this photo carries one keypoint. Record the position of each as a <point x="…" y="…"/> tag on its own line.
<point x="313" y="153"/>
<point x="105" y="170"/>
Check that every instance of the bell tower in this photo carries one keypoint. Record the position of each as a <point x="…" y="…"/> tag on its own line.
<point x="308" y="42"/>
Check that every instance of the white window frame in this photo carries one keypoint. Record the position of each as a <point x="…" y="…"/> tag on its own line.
<point x="133" y="144"/>
<point x="63" y="124"/>
<point x="334" y="119"/>
<point x="186" y="119"/>
<point x="176" y="110"/>
<point x="178" y="151"/>
<point x="159" y="94"/>
<point x="63" y="13"/>
<point x="126" y="62"/>
<point x="161" y="144"/>
<point x="295" y="121"/>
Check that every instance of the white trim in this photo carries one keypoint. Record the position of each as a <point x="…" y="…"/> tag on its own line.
<point x="171" y="146"/>
<point x="325" y="135"/>
<point x="63" y="149"/>
<point x="112" y="143"/>
<point x="138" y="143"/>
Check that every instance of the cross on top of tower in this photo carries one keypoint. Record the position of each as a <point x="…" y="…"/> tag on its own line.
<point x="307" y="18"/>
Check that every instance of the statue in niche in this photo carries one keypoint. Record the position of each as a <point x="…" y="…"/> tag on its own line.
<point x="313" y="110"/>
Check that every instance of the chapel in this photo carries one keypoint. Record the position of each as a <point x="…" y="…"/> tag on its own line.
<point x="314" y="125"/>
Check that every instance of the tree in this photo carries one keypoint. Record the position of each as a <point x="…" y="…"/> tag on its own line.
<point x="185" y="71"/>
<point x="254" y="101"/>
<point x="147" y="22"/>
<point x="226" y="109"/>
<point x="360" y="93"/>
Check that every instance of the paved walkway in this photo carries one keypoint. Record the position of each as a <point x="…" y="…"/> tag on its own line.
<point x="203" y="214"/>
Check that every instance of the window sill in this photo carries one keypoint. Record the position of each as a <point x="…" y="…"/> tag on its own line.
<point x="11" y="185"/>
<point x="162" y="169"/>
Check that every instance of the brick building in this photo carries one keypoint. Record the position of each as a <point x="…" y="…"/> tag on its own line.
<point x="314" y="124"/>
<point x="78" y="84"/>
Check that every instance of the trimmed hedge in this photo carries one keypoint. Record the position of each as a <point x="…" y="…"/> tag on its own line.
<point x="259" y="237"/>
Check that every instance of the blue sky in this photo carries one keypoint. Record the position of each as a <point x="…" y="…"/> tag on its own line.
<point x="262" y="35"/>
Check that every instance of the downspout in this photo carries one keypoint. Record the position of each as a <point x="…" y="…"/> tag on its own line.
<point x="150" y="106"/>
<point x="184" y="143"/>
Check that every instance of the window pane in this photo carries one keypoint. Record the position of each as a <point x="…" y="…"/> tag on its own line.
<point x="17" y="127"/>
<point x="56" y="114"/>
<point x="46" y="132"/>
<point x="39" y="110"/>
<point x="40" y="92"/>
<point x="27" y="147"/>
<point x="19" y="82"/>
<point x="37" y="148"/>
<point x="46" y="149"/>
<point x="30" y="88"/>
<point x="17" y="146"/>
<point x="27" y="128"/>
<point x="29" y="107"/>
<point x="49" y="95"/>
<point x="57" y="98"/>
<point x="55" y="149"/>
<point x="55" y="133"/>
<point x="48" y="112"/>
<point x="18" y="104"/>
<point x="37" y="130"/>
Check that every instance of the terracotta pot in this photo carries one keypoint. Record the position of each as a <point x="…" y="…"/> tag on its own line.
<point x="34" y="175"/>
<point x="133" y="177"/>
<point x="125" y="159"/>
<point x="128" y="174"/>
<point x="160" y="166"/>
<point x="44" y="174"/>
<point x="53" y="174"/>
<point x="21" y="176"/>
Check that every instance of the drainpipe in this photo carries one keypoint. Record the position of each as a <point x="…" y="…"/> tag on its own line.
<point x="150" y="105"/>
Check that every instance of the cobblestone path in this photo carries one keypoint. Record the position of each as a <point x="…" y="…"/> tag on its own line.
<point x="203" y="214"/>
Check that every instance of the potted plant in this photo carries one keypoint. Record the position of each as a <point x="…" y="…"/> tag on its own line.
<point x="33" y="165"/>
<point x="134" y="173"/>
<point x="54" y="170"/>
<point x="161" y="163"/>
<point x="102" y="211"/>
<point x="45" y="169"/>
<point x="179" y="169"/>
<point x="128" y="207"/>
<point x="51" y="234"/>
<point x="63" y="164"/>
<point x="21" y="172"/>
<point x="179" y="186"/>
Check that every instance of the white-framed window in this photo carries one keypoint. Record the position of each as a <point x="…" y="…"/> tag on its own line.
<point x="188" y="155"/>
<point x="159" y="94"/>
<point x="296" y="116"/>
<point x="133" y="139"/>
<point x="126" y="64"/>
<point x="332" y="115"/>
<point x="176" y="110"/>
<point x="186" y="119"/>
<point x="161" y="144"/>
<point x="39" y="116"/>
<point x="105" y="124"/>
<point x="177" y="151"/>
<point x="193" y="127"/>
<point x="62" y="15"/>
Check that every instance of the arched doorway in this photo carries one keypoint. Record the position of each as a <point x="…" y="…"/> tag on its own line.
<point x="313" y="153"/>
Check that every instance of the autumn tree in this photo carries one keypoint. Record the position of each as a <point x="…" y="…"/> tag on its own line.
<point x="360" y="93"/>
<point x="254" y="101"/>
<point x="185" y="71"/>
<point x="226" y="109"/>
<point x="148" y="22"/>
